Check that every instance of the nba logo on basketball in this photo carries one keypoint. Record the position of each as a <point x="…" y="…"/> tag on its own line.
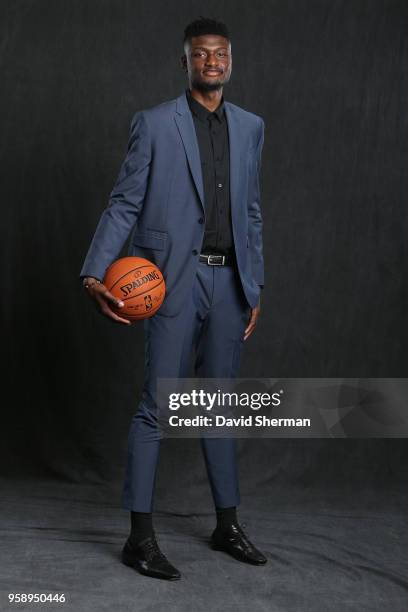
<point x="148" y="302"/>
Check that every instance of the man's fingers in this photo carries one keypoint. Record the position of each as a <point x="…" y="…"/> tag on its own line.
<point x="252" y="320"/>
<point x="112" y="315"/>
<point x="102" y="290"/>
<point x="103" y="297"/>
<point x="254" y="314"/>
<point x="249" y="330"/>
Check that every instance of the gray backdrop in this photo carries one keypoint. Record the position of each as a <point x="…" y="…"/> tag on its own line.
<point x="329" y="79"/>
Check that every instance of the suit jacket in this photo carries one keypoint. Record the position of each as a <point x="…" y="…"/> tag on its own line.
<point x="158" y="197"/>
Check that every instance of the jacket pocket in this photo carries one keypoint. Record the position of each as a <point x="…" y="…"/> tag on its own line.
<point x="150" y="239"/>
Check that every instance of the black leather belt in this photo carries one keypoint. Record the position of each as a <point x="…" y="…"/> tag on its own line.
<point x="217" y="260"/>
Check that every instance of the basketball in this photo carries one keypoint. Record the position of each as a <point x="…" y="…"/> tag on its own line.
<point x="139" y="284"/>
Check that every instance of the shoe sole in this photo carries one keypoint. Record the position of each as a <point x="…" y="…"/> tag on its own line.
<point x="236" y="556"/>
<point x="137" y="567"/>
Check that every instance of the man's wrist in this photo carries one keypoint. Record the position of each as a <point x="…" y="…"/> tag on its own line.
<point x="89" y="281"/>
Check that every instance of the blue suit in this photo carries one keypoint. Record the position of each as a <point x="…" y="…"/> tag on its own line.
<point x="159" y="198"/>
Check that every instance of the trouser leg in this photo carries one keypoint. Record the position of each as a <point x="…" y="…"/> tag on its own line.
<point x="218" y="353"/>
<point x="168" y="346"/>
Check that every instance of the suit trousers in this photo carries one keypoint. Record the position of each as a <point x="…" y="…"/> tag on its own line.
<point x="208" y="335"/>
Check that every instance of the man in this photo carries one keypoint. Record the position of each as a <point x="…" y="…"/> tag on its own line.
<point x="189" y="190"/>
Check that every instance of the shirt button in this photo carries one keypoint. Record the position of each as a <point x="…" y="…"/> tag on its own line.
<point x="220" y="185"/>
<point x="195" y="252"/>
<point x="201" y="220"/>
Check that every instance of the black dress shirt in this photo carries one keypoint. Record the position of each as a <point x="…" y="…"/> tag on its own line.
<point x="212" y="135"/>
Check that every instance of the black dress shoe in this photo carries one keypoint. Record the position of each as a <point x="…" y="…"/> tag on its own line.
<point x="233" y="540"/>
<point x="147" y="557"/>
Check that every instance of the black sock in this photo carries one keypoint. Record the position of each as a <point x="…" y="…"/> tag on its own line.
<point x="226" y="516"/>
<point x="141" y="526"/>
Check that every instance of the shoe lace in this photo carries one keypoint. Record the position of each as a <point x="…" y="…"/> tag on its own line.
<point x="244" y="538"/>
<point x="151" y="549"/>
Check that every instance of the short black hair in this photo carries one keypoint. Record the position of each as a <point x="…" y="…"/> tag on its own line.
<point x="205" y="25"/>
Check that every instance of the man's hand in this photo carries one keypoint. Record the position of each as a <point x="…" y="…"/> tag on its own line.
<point x="101" y="298"/>
<point x="252" y="321"/>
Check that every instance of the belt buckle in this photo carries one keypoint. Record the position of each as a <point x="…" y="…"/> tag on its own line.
<point x="210" y="263"/>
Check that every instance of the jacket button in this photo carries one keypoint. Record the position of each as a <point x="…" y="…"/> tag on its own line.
<point x="201" y="220"/>
<point x="195" y="252"/>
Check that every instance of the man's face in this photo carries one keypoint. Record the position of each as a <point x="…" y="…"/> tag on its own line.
<point x="208" y="61"/>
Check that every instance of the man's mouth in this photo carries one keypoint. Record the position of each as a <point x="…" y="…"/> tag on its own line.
<point x="212" y="72"/>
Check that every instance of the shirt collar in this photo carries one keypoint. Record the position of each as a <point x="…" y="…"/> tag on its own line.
<point x="201" y="111"/>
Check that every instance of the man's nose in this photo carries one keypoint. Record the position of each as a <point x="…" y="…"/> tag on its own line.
<point x="211" y="60"/>
<point x="212" y="66"/>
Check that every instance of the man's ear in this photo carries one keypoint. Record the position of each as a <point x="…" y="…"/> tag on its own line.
<point x="183" y="62"/>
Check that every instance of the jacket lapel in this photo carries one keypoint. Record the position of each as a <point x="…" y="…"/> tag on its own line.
<point x="234" y="135"/>
<point x="185" y="124"/>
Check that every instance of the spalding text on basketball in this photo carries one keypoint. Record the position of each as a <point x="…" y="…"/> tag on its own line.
<point x="151" y="276"/>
